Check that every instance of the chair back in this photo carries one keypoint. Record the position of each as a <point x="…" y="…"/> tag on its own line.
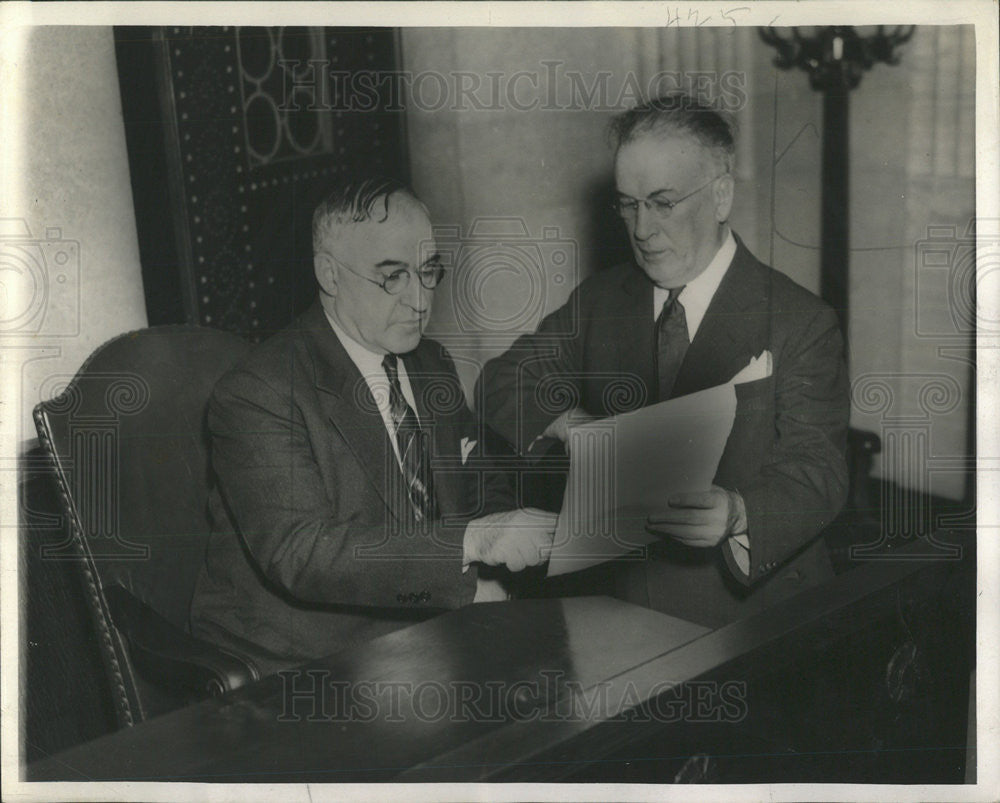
<point x="128" y="444"/>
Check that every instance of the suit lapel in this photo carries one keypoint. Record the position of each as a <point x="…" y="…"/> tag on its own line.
<point x="734" y="329"/>
<point x="351" y="408"/>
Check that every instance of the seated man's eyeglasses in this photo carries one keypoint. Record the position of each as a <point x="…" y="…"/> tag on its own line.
<point x="627" y="208"/>
<point x="429" y="276"/>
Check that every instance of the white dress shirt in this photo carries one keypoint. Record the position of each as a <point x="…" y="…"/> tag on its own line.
<point x="369" y="363"/>
<point x="699" y="291"/>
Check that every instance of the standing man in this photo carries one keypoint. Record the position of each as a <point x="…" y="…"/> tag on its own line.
<point x="350" y="497"/>
<point x="692" y="311"/>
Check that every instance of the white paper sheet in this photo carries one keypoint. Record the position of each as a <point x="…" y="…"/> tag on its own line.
<point x="624" y="467"/>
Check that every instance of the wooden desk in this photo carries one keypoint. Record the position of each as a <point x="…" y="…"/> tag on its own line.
<point x="486" y="693"/>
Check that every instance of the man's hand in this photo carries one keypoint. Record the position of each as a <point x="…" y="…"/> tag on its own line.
<point x="559" y="428"/>
<point x="514" y="538"/>
<point x="700" y="519"/>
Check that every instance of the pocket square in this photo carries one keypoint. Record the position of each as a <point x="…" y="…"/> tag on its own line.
<point x="467" y="447"/>
<point x="758" y="368"/>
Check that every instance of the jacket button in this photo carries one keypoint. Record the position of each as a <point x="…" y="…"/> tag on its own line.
<point x="425" y="596"/>
<point x="412" y="597"/>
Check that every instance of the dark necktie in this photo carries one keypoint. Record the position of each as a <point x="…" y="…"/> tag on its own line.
<point x="414" y="451"/>
<point x="671" y="343"/>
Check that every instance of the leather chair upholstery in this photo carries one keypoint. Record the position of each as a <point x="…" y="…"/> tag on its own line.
<point x="127" y="442"/>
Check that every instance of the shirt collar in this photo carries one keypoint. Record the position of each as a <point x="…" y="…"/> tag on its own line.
<point x="699" y="291"/>
<point x="368" y="362"/>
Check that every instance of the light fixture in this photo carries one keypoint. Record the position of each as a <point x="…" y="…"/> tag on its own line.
<point x="836" y="56"/>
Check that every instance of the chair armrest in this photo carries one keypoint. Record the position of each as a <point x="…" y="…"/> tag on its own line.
<point x="859" y="522"/>
<point x="862" y="443"/>
<point x="861" y="448"/>
<point x="165" y="654"/>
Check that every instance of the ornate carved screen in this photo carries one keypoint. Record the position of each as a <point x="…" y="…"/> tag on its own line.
<point x="234" y="135"/>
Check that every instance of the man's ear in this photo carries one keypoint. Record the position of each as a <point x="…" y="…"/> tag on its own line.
<point x="325" y="268"/>
<point x="723" y="196"/>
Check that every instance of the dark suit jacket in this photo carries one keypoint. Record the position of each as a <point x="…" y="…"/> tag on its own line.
<point x="785" y="454"/>
<point x="315" y="546"/>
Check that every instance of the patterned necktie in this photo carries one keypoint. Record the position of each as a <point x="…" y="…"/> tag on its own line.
<point x="414" y="451"/>
<point x="671" y="343"/>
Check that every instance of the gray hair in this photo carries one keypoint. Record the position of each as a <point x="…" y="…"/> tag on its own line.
<point x="679" y="113"/>
<point x="354" y="201"/>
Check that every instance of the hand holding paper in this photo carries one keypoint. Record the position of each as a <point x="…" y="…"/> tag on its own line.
<point x="700" y="519"/>
<point x="625" y="467"/>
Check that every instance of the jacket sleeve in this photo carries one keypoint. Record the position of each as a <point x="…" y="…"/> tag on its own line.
<point x="803" y="482"/>
<point x="297" y="536"/>
<point x="537" y="379"/>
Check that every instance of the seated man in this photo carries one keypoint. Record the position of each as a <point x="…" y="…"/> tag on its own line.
<point x="350" y="496"/>
<point x="690" y="312"/>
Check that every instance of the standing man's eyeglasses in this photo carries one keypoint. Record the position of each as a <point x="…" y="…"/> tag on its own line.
<point x="429" y="276"/>
<point x="628" y="208"/>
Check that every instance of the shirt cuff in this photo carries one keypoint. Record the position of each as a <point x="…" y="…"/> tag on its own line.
<point x="490" y="590"/>
<point x="466" y="560"/>
<point x="739" y="542"/>
<point x="739" y="546"/>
